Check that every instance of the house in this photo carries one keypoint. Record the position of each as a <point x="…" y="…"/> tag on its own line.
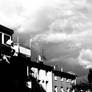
<point x="43" y="74"/>
<point x="50" y="79"/>
<point x="62" y="81"/>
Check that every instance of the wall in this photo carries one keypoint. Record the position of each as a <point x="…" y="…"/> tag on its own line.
<point x="56" y="83"/>
<point x="44" y="77"/>
<point x="61" y="84"/>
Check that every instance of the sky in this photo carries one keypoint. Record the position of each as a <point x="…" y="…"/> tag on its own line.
<point x="61" y="27"/>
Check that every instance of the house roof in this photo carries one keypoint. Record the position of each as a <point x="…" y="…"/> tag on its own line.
<point x="50" y="68"/>
<point x="6" y="30"/>
<point x="40" y="65"/>
<point x="64" y="74"/>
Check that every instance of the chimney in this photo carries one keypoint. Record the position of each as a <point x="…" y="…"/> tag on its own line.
<point x="39" y="59"/>
<point x="54" y="67"/>
<point x="61" y="69"/>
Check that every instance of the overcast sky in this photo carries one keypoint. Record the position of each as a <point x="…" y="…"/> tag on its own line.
<point x="62" y="27"/>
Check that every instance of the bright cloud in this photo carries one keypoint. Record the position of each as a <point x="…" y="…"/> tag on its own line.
<point x="21" y="14"/>
<point x="68" y="23"/>
<point x="76" y="39"/>
<point x="85" y="58"/>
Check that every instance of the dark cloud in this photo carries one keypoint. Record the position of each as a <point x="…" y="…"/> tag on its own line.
<point x="60" y="27"/>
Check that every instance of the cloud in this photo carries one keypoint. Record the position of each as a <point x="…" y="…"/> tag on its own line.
<point x="69" y="24"/>
<point x="22" y="14"/>
<point x="71" y="61"/>
<point x="54" y="60"/>
<point x="76" y="39"/>
<point x="65" y="23"/>
<point x="85" y="58"/>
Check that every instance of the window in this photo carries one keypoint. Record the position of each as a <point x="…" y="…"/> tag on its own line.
<point x="72" y="81"/>
<point x="46" y="82"/>
<point x="55" y="77"/>
<point x="43" y="81"/>
<point x="0" y="37"/>
<point x="67" y="80"/>
<point x="67" y="89"/>
<point x="35" y="72"/>
<point x="6" y="38"/>
<point x="29" y="84"/>
<point x="62" y="79"/>
<point x="62" y="90"/>
<point x="55" y="90"/>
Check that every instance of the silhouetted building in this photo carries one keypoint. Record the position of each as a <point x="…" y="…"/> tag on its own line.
<point x="5" y="35"/>
<point x="5" y="52"/>
<point x="12" y="68"/>
<point x="90" y="76"/>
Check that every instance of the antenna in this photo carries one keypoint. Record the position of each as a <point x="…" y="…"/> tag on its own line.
<point x="43" y="56"/>
<point x="30" y="43"/>
<point x="18" y="44"/>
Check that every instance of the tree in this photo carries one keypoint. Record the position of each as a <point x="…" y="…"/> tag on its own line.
<point x="82" y="86"/>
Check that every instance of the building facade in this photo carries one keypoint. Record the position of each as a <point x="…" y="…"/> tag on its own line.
<point x="51" y="80"/>
<point x="62" y="81"/>
<point x="43" y="74"/>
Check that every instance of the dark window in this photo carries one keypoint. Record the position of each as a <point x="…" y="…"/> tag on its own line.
<point x="55" y="86"/>
<point x="0" y="37"/>
<point x="43" y="81"/>
<point x="6" y="38"/>
<point x="46" y="82"/>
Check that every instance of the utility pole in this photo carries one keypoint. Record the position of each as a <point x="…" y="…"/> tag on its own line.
<point x="28" y="65"/>
<point x="31" y="46"/>
<point x="18" y="44"/>
<point x="43" y="56"/>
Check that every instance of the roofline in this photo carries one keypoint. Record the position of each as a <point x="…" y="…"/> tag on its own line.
<point x="20" y="45"/>
<point x="64" y="74"/>
<point x="50" y="68"/>
<point x="40" y="65"/>
<point x="6" y="30"/>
